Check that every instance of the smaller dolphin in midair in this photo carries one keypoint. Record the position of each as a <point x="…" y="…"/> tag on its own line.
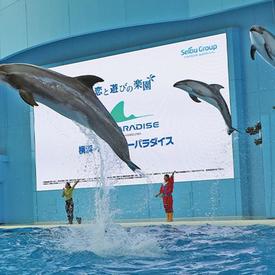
<point x="71" y="97"/>
<point x="263" y="42"/>
<point x="209" y="93"/>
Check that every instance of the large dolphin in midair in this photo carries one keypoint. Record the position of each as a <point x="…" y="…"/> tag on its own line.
<point x="71" y="97"/>
<point x="209" y="93"/>
<point x="263" y="42"/>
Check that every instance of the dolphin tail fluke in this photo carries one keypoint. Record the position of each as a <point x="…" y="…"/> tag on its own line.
<point x="132" y="166"/>
<point x="231" y="130"/>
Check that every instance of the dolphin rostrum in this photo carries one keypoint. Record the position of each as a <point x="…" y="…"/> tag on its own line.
<point x="71" y="97"/>
<point x="263" y="42"/>
<point x="209" y="93"/>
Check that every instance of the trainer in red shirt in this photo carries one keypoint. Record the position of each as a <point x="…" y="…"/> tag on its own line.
<point x="165" y="192"/>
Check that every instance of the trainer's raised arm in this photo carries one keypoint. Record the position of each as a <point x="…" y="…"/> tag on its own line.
<point x="75" y="183"/>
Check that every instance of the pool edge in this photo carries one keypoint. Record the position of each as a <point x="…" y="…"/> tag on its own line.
<point x="246" y="222"/>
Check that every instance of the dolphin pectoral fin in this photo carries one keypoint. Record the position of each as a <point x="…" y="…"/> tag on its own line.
<point x="253" y="52"/>
<point x="216" y="87"/>
<point x="28" y="97"/>
<point x="194" y="98"/>
<point x="268" y="51"/>
<point x="89" y="80"/>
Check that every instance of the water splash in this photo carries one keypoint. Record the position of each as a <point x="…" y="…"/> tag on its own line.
<point x="214" y="199"/>
<point x="103" y="236"/>
<point x="112" y="241"/>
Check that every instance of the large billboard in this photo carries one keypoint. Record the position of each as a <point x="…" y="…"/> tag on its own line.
<point x="165" y="129"/>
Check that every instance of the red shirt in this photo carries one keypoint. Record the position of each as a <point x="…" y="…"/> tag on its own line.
<point x="168" y="188"/>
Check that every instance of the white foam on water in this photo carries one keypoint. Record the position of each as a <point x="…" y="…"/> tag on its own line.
<point x="112" y="240"/>
<point x="103" y="237"/>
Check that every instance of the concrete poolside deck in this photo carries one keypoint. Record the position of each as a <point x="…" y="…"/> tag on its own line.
<point x="238" y="222"/>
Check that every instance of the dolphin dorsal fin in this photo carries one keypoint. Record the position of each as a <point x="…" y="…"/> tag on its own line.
<point x="89" y="80"/>
<point x="27" y="97"/>
<point x="216" y="87"/>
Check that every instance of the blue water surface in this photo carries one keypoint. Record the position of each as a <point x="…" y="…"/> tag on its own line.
<point x="163" y="249"/>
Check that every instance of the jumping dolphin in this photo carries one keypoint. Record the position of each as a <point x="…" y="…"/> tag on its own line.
<point x="71" y="97"/>
<point x="263" y="42"/>
<point x="209" y="93"/>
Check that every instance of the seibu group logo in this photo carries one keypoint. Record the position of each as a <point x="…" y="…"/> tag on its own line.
<point x="200" y="50"/>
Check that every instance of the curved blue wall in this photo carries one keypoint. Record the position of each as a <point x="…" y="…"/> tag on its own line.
<point x="28" y="23"/>
<point x="56" y="32"/>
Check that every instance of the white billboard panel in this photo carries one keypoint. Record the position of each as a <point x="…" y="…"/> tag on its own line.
<point x="165" y="129"/>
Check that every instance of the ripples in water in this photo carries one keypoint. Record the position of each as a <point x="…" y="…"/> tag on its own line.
<point x="138" y="250"/>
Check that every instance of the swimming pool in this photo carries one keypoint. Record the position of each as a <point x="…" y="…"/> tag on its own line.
<point x="165" y="249"/>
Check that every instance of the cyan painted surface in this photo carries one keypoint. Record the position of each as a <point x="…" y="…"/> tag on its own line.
<point x="18" y="187"/>
<point x="215" y="6"/>
<point x="26" y="23"/>
<point x="252" y="100"/>
<point x="3" y="170"/>
<point x="196" y="199"/>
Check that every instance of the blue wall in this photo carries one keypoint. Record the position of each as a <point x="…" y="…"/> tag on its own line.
<point x="78" y="30"/>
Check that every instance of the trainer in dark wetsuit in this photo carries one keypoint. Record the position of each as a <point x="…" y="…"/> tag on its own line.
<point x="165" y="192"/>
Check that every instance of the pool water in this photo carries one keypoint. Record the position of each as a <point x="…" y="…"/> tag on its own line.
<point x="162" y="249"/>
